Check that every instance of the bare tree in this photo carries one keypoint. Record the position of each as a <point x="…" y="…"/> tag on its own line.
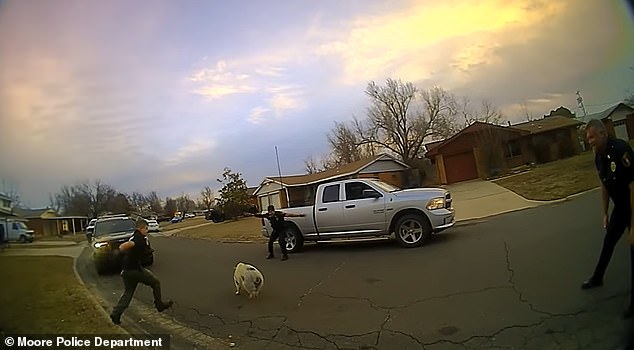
<point x="154" y="202"/>
<point x="311" y="166"/>
<point x="87" y="199"/>
<point x="347" y="145"/>
<point x="138" y="201"/>
<point x="487" y="113"/>
<point x="53" y="202"/>
<point x="207" y="197"/>
<point x="394" y="124"/>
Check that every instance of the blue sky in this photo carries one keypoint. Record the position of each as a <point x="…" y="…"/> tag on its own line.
<point x="163" y="95"/>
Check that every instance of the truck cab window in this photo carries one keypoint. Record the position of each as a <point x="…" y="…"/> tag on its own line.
<point x="331" y="194"/>
<point x="354" y="190"/>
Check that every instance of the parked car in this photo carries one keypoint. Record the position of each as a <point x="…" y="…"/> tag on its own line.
<point x="176" y="219"/>
<point x="164" y="219"/>
<point x="189" y="215"/>
<point x="13" y="230"/>
<point x="215" y="215"/>
<point x="108" y="235"/>
<point x="363" y="208"/>
<point x="153" y="225"/>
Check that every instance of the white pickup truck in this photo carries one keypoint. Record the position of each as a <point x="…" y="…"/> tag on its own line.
<point x="366" y="208"/>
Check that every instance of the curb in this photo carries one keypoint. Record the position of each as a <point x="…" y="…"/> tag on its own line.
<point x="181" y="336"/>
<point x="553" y="201"/>
<point x="97" y="301"/>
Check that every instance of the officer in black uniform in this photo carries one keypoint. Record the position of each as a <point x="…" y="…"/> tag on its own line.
<point x="276" y="219"/>
<point x="134" y="273"/>
<point x="613" y="160"/>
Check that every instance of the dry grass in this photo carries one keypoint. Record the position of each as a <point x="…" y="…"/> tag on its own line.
<point x="197" y="220"/>
<point x="555" y="180"/>
<point x="42" y="295"/>
<point x="244" y="230"/>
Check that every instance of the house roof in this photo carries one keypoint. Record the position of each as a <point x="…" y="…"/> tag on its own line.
<point x="344" y="170"/>
<point x="547" y="124"/>
<point x="251" y="190"/>
<point x="604" y="114"/>
<point x="30" y="213"/>
<point x="431" y="145"/>
<point x="474" y="127"/>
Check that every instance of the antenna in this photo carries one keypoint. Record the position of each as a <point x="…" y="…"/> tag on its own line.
<point x="279" y="171"/>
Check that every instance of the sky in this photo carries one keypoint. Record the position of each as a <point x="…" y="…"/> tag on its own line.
<point x="163" y="95"/>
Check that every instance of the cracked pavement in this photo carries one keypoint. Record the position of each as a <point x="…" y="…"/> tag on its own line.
<point x="510" y="282"/>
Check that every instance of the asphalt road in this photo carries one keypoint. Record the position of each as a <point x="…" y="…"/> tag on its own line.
<point x="511" y="281"/>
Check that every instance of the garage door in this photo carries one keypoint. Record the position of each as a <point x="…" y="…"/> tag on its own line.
<point x="461" y="167"/>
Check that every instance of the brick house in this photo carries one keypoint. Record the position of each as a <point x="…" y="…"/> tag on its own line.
<point x="484" y="150"/>
<point x="299" y="190"/>
<point x="46" y="222"/>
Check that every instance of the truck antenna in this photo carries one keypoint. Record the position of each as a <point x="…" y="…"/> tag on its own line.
<point x="279" y="171"/>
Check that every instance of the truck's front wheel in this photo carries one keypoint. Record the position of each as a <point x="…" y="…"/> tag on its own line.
<point x="293" y="238"/>
<point x="412" y="231"/>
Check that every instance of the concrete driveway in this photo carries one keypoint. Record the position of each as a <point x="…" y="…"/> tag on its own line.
<point x="478" y="199"/>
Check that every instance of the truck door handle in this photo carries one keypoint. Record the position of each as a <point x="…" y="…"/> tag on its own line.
<point x="322" y="209"/>
<point x="350" y="206"/>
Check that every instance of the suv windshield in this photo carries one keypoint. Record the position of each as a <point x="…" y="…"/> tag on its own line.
<point x="113" y="226"/>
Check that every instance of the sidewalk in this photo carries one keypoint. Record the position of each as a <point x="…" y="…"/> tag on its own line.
<point x="480" y="199"/>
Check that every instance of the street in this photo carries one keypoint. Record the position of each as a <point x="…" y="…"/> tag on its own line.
<point x="511" y="281"/>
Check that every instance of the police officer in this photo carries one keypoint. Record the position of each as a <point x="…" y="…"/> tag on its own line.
<point x="276" y="219"/>
<point x="134" y="273"/>
<point x="613" y="160"/>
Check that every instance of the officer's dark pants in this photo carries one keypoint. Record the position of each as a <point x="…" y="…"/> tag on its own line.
<point x="275" y="235"/>
<point x="131" y="278"/>
<point x="619" y="221"/>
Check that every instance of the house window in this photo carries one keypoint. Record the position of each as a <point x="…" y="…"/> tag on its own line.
<point x="513" y="149"/>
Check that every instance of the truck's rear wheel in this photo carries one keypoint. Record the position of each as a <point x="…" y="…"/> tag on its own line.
<point x="412" y="231"/>
<point x="293" y="239"/>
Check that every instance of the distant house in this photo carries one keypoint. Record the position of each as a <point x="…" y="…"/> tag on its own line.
<point x="483" y="150"/>
<point x="46" y="222"/>
<point x="618" y="119"/>
<point x="299" y="190"/>
<point x="6" y="213"/>
<point x="5" y="206"/>
<point x="551" y="138"/>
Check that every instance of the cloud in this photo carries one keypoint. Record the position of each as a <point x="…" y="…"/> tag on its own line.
<point x="193" y="149"/>
<point x="218" y="82"/>
<point x="257" y="115"/>
<point x="416" y="41"/>
<point x="270" y="71"/>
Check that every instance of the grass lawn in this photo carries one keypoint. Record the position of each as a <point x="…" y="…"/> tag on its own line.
<point x="244" y="229"/>
<point x="555" y="180"/>
<point x="42" y="295"/>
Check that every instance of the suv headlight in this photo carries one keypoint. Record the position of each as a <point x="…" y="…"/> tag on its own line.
<point x="436" y="203"/>
<point x="101" y="244"/>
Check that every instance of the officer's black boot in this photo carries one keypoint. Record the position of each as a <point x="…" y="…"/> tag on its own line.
<point x="160" y="307"/>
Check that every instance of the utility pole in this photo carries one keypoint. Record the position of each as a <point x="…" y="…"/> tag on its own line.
<point x="580" y="103"/>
